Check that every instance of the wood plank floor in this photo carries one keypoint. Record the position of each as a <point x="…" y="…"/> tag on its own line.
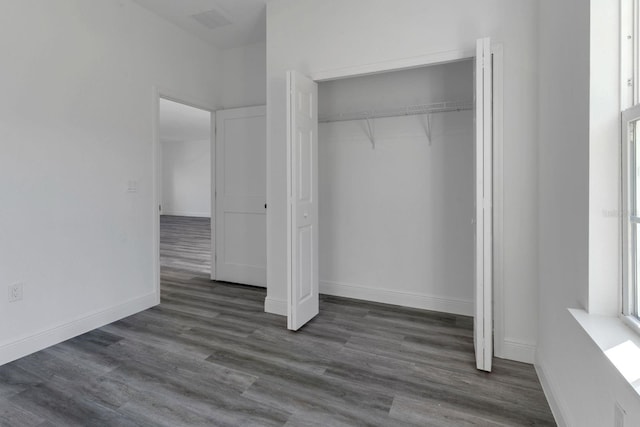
<point x="210" y="356"/>
<point x="185" y="243"/>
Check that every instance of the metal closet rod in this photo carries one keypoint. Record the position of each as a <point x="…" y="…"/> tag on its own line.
<point x="411" y="110"/>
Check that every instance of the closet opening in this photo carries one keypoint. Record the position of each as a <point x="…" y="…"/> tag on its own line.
<point x="396" y="187"/>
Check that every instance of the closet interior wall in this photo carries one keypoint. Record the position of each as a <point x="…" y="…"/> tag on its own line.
<point x="396" y="194"/>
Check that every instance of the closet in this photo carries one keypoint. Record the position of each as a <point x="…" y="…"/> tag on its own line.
<point x="390" y="188"/>
<point x="396" y="187"/>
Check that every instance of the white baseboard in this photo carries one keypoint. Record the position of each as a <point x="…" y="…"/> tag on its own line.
<point x="406" y="299"/>
<point x="184" y="213"/>
<point x="518" y="351"/>
<point x="549" y="389"/>
<point x="275" y="306"/>
<point x="15" y="350"/>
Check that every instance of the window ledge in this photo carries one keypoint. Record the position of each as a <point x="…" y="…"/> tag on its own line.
<point x="619" y="343"/>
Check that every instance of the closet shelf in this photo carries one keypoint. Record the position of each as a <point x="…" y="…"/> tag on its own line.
<point x="411" y="110"/>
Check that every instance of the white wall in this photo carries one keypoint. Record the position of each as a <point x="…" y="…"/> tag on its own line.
<point x="578" y="151"/>
<point x="244" y="76"/>
<point x="186" y="178"/>
<point x="604" y="157"/>
<point x="76" y="112"/>
<point x="396" y="220"/>
<point x="313" y="36"/>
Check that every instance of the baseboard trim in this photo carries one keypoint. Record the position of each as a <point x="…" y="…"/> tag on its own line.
<point x="518" y="351"/>
<point x="275" y="306"/>
<point x="47" y="338"/>
<point x="182" y="213"/>
<point x="406" y="299"/>
<point x="549" y="389"/>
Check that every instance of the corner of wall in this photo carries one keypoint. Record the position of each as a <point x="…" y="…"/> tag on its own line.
<point x="519" y="351"/>
<point x="551" y="392"/>
<point x="57" y="334"/>
<point x="275" y="306"/>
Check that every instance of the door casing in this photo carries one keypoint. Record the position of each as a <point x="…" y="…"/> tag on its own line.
<point x="159" y="92"/>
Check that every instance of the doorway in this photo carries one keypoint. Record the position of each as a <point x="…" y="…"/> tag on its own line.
<point x="185" y="188"/>
<point x="210" y="194"/>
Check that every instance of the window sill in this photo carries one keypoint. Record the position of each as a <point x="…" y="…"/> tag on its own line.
<point x="619" y="343"/>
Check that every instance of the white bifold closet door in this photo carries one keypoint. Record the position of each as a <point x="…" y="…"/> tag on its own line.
<point x="302" y="187"/>
<point x="483" y="320"/>
<point x="240" y="200"/>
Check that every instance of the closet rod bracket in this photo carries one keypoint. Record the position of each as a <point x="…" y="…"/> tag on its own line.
<point x="427" y="127"/>
<point x="370" y="133"/>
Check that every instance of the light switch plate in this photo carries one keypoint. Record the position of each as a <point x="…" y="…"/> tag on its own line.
<point x="132" y="186"/>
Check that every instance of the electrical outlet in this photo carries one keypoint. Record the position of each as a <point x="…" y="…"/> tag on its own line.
<point x="15" y="292"/>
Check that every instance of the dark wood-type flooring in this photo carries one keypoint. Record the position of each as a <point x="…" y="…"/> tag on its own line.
<point x="210" y="356"/>
<point x="185" y="244"/>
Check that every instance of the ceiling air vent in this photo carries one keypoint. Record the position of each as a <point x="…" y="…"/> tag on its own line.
<point x="212" y="19"/>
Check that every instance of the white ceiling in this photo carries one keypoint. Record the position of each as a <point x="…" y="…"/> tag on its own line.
<point x="181" y="123"/>
<point x="237" y="22"/>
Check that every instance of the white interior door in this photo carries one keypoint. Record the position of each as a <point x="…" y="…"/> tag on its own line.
<point x="240" y="209"/>
<point x="483" y="321"/>
<point x="302" y="187"/>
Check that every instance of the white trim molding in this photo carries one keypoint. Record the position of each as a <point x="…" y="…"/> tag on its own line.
<point x="57" y="334"/>
<point x="405" y="299"/>
<point x="433" y="58"/>
<point x="185" y="213"/>
<point x="549" y="388"/>
<point x="517" y="350"/>
<point x="275" y="306"/>
<point x="499" y="341"/>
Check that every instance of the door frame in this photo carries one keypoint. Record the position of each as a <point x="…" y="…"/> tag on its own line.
<point x="158" y="93"/>
<point x="442" y="57"/>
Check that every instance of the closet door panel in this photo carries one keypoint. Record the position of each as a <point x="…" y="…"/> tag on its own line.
<point x="483" y="320"/>
<point x="302" y="187"/>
